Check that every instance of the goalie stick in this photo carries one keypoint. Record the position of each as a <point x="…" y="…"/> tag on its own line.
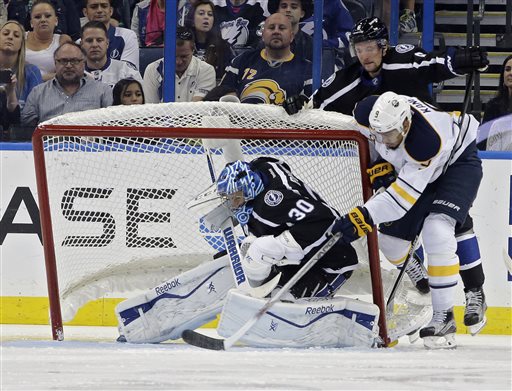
<point x="233" y="250"/>
<point x="203" y="341"/>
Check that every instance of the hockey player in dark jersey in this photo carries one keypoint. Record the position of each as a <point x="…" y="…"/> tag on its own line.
<point x="286" y="222"/>
<point x="284" y="218"/>
<point x="272" y="74"/>
<point x="404" y="69"/>
<point x="407" y="70"/>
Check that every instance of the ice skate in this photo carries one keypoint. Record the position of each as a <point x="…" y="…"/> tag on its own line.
<point x="474" y="313"/>
<point x="440" y="332"/>
<point x="418" y="274"/>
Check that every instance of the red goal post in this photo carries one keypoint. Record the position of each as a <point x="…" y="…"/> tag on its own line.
<point x="112" y="185"/>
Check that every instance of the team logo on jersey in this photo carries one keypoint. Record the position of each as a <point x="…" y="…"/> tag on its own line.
<point x="329" y="80"/>
<point x="273" y="197"/>
<point x="114" y="54"/>
<point x="235" y="32"/>
<point x="263" y="91"/>
<point x="404" y="48"/>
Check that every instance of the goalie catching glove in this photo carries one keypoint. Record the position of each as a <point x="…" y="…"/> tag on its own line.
<point x="381" y="174"/>
<point x="259" y="255"/>
<point x="354" y="225"/>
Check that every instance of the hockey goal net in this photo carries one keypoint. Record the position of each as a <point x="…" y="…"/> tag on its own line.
<point x="113" y="184"/>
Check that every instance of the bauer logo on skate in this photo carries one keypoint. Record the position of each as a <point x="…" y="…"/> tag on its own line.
<point x="167" y="286"/>
<point x="233" y="255"/>
<point x="319" y="310"/>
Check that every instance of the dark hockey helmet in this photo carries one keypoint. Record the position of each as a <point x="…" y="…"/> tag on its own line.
<point x="369" y="29"/>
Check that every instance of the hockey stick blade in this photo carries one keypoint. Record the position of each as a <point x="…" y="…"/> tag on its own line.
<point x="202" y="341"/>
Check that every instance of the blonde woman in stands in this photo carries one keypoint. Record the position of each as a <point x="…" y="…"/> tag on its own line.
<point x="41" y="41"/>
<point x="12" y="57"/>
<point x="210" y="47"/>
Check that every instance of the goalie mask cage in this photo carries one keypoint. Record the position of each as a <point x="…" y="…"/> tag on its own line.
<point x="113" y="184"/>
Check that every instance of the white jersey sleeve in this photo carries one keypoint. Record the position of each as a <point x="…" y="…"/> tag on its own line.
<point x="435" y="140"/>
<point x="152" y="82"/>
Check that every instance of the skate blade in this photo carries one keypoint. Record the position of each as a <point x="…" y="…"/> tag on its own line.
<point x="414" y="336"/>
<point x="445" y="342"/>
<point x="476" y="328"/>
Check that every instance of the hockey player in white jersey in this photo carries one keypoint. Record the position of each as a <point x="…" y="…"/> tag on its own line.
<point x="285" y="223"/>
<point x="439" y="173"/>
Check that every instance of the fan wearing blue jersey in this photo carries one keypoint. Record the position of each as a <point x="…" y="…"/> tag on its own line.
<point x="271" y="74"/>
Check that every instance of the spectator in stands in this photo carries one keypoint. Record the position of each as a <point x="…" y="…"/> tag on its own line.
<point x="496" y="134"/>
<point x="272" y="74"/>
<point x="296" y="10"/>
<point x="122" y="42"/>
<point x="337" y="24"/>
<point x="70" y="90"/>
<point x="210" y="47"/>
<point x="69" y="19"/>
<point x="148" y="22"/>
<point x="194" y="78"/>
<point x="155" y="23"/>
<point x="502" y="103"/>
<point x="98" y="65"/>
<point x="239" y="22"/>
<point x="9" y="107"/>
<point x="42" y="40"/>
<point x="12" y="56"/>
<point x="128" y="92"/>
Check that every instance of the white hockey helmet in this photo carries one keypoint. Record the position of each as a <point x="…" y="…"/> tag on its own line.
<point x="389" y="113"/>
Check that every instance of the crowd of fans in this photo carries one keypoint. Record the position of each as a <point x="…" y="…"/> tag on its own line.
<point x="58" y="56"/>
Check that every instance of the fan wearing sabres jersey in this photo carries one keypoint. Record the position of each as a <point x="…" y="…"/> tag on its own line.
<point x="439" y="174"/>
<point x="271" y="74"/>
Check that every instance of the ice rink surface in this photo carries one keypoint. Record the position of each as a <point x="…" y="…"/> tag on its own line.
<point x="89" y="359"/>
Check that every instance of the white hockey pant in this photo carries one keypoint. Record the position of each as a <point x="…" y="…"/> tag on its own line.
<point x="322" y="322"/>
<point x="186" y="301"/>
<point x="440" y="245"/>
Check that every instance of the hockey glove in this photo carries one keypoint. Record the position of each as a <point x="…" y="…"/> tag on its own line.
<point x="381" y="175"/>
<point x="294" y="104"/>
<point x="469" y="59"/>
<point x="354" y="225"/>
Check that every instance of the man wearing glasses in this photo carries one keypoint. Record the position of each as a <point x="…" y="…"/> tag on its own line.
<point x="68" y="91"/>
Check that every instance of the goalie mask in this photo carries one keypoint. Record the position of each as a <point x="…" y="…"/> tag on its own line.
<point x="387" y="118"/>
<point x="238" y="184"/>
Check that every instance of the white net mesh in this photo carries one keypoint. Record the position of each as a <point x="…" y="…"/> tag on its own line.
<point x="117" y="191"/>
<point x="118" y="203"/>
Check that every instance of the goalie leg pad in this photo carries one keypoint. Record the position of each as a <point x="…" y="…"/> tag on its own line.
<point x="184" y="302"/>
<point x="333" y="322"/>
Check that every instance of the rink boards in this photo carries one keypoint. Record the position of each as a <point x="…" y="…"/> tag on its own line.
<point x="24" y="292"/>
